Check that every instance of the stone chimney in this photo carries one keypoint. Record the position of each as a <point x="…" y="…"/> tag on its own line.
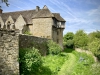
<point x="37" y="8"/>
<point x="1" y="11"/>
<point x="45" y="7"/>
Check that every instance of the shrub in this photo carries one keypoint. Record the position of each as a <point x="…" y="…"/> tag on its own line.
<point x="94" y="47"/>
<point x="80" y="39"/>
<point x="70" y="44"/>
<point x="53" y="48"/>
<point x="30" y="61"/>
<point x="68" y="40"/>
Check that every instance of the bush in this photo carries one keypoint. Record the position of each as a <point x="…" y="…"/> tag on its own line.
<point x="94" y="47"/>
<point x="68" y="40"/>
<point x="70" y="44"/>
<point x="30" y="61"/>
<point x="53" y="48"/>
<point x="80" y="39"/>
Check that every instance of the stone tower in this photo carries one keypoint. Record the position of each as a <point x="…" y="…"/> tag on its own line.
<point x="48" y="25"/>
<point x="39" y="22"/>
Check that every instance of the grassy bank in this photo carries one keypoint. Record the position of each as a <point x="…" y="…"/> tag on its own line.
<point x="69" y="62"/>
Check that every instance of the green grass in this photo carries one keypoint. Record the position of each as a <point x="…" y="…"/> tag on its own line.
<point x="68" y="62"/>
<point x="68" y="66"/>
<point x="83" y="64"/>
<point x="55" y="62"/>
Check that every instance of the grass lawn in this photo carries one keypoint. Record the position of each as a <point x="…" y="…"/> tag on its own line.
<point x="68" y="62"/>
<point x="54" y="63"/>
<point x="68" y="66"/>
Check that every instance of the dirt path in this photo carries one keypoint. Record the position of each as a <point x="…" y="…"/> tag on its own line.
<point x="68" y="66"/>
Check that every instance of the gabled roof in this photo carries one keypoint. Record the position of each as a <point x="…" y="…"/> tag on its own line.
<point x="45" y="12"/>
<point x="58" y="17"/>
<point x="29" y="14"/>
<point x="9" y="18"/>
<point x="21" y="18"/>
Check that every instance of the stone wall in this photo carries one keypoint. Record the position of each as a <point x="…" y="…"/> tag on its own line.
<point x="54" y="34"/>
<point x="10" y="43"/>
<point x="27" y="41"/>
<point x="60" y="37"/>
<point x="9" y="52"/>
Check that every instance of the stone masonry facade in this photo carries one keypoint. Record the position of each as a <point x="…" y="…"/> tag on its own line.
<point x="45" y="24"/>
<point x="28" y="41"/>
<point x="9" y="53"/>
<point x="41" y="23"/>
<point x="38" y="22"/>
<point x="10" y="43"/>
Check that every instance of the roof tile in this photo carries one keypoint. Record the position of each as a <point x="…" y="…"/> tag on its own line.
<point x="29" y="14"/>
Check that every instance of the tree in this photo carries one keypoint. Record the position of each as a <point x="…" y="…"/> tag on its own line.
<point x="5" y="1"/>
<point x="94" y="43"/>
<point x="68" y="36"/>
<point x="80" y="39"/>
<point x="68" y="40"/>
<point x="94" y="47"/>
<point x="94" y="35"/>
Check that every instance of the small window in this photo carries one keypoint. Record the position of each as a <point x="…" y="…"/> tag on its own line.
<point x="8" y="25"/>
<point x="58" y="23"/>
<point x="13" y="27"/>
<point x="62" y="23"/>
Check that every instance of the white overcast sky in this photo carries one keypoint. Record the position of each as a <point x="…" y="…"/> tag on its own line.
<point x="79" y="14"/>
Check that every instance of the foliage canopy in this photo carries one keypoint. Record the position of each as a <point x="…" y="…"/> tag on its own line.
<point x="68" y="40"/>
<point x="80" y="39"/>
<point x="30" y="61"/>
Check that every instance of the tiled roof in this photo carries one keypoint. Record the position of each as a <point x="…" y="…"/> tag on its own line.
<point x="45" y="12"/>
<point x="29" y="14"/>
<point x="58" y="17"/>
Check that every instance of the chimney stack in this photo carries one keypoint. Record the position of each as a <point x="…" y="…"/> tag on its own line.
<point x="37" y="8"/>
<point x="1" y="11"/>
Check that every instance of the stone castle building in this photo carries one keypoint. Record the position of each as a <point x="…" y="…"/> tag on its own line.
<point x="39" y="22"/>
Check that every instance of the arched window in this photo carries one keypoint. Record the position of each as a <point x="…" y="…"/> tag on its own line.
<point x="13" y="26"/>
<point x="0" y="24"/>
<point x="8" y="25"/>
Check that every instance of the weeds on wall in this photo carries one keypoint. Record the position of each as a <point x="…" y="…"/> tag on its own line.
<point x="27" y="32"/>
